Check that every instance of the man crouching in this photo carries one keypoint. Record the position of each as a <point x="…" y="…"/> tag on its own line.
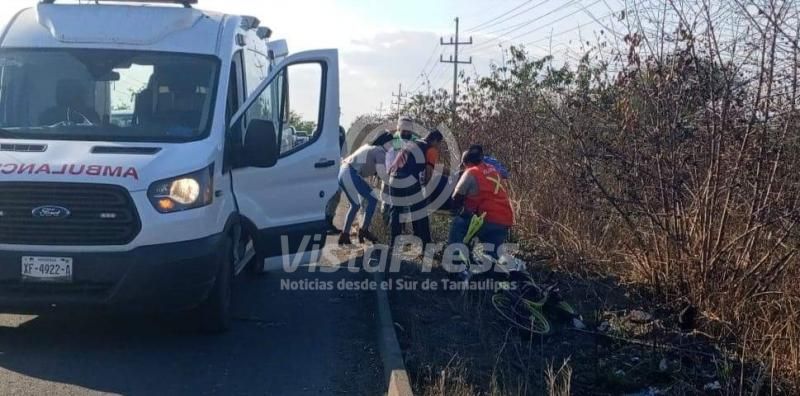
<point x="480" y="192"/>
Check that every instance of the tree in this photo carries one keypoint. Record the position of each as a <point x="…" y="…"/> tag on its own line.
<point x="296" y="121"/>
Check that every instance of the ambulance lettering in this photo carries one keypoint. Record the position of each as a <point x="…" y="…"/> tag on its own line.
<point x="70" y="169"/>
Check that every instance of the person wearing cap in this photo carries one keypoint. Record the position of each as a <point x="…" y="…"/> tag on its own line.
<point x="491" y="161"/>
<point x="362" y="164"/>
<point x="408" y="173"/>
<point x="480" y="191"/>
<point x="402" y="138"/>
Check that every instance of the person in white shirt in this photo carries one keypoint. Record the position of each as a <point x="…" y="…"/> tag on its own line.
<point x="362" y="164"/>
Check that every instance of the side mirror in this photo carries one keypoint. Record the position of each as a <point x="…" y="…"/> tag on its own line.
<point x="261" y="149"/>
<point x="109" y="77"/>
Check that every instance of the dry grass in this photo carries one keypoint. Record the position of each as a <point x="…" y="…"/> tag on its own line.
<point x="452" y="380"/>
<point x="678" y="171"/>
<point x="559" y="381"/>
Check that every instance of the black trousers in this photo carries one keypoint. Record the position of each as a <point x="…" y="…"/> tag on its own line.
<point x="417" y="205"/>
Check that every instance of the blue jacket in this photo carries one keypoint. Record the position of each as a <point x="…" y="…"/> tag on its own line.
<point x="497" y="165"/>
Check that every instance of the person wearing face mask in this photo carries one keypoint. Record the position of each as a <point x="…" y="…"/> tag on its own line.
<point x="410" y="170"/>
<point x="403" y="137"/>
<point x="356" y="168"/>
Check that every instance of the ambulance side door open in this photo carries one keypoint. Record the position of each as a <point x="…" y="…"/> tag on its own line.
<point x="285" y="172"/>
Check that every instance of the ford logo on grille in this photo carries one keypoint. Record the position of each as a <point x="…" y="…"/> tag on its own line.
<point x="50" y="212"/>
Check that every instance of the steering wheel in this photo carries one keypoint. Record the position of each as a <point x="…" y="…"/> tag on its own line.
<point x="85" y="121"/>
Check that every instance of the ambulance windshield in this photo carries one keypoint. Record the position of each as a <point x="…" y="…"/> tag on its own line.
<point x="110" y="95"/>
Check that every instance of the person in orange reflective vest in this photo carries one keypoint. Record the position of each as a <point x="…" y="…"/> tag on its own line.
<point x="479" y="191"/>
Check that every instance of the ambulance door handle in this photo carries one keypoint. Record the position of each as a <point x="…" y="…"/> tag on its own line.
<point x="323" y="163"/>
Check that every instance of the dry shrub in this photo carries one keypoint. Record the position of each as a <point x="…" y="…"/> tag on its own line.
<point x="671" y="160"/>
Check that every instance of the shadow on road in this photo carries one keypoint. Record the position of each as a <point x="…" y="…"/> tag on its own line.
<point x="282" y="342"/>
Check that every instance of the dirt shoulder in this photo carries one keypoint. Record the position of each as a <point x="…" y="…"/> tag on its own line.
<point x="455" y="343"/>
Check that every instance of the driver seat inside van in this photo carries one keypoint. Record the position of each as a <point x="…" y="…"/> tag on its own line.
<point x="71" y="105"/>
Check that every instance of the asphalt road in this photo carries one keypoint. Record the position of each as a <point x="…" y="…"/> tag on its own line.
<point x="282" y="343"/>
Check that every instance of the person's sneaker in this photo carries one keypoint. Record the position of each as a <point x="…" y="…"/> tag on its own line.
<point x="509" y="264"/>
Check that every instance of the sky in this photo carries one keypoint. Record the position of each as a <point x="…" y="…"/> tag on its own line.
<point x="384" y="43"/>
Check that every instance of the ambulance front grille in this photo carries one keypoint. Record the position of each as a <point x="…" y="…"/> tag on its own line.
<point x="66" y="214"/>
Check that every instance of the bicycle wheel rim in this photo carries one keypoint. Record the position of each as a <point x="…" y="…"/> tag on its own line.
<point x="502" y="306"/>
<point x="566" y="307"/>
<point x="539" y="323"/>
<point x="531" y="320"/>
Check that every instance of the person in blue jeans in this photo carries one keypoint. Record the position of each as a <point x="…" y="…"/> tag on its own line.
<point x="481" y="192"/>
<point x="492" y="235"/>
<point x="362" y="164"/>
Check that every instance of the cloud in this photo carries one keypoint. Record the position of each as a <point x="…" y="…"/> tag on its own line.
<point x="374" y="66"/>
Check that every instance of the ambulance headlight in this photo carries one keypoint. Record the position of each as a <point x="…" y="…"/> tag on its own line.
<point x="185" y="192"/>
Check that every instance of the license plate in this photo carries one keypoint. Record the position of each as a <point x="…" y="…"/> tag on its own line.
<point x="47" y="269"/>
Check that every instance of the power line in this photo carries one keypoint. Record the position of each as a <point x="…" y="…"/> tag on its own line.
<point x="603" y="25"/>
<point x="427" y="76"/>
<point x="424" y="67"/>
<point x="426" y="83"/>
<point x="527" y="23"/>
<point x="525" y="11"/>
<point x="545" y="25"/>
<point x="482" y="12"/>
<point x="563" y="32"/>
<point x="435" y="79"/>
<point x="501" y="31"/>
<point x="480" y="25"/>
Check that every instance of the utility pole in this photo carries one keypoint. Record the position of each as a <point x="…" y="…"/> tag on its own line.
<point x="505" y="70"/>
<point x="455" y="61"/>
<point x="400" y="97"/>
<point x="380" y="110"/>
<point x="428" y="83"/>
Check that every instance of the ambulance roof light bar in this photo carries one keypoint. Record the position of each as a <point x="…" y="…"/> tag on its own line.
<point x="185" y="3"/>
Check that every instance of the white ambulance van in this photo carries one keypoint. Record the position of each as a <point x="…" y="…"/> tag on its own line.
<point x="143" y="162"/>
